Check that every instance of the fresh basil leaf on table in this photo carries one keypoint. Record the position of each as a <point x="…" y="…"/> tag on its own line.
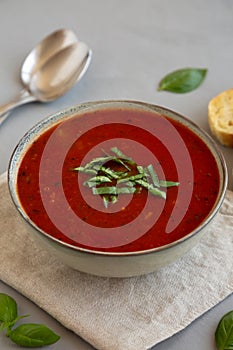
<point x="8" y="309"/>
<point x="29" y="334"/>
<point x="33" y="335"/>
<point x="183" y="80"/>
<point x="224" y="332"/>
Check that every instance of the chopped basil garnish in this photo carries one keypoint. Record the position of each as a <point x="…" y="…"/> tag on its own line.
<point x="130" y="178"/>
<point x="120" y="154"/>
<point x="163" y="183"/>
<point x="119" y="174"/>
<point x="153" y="175"/>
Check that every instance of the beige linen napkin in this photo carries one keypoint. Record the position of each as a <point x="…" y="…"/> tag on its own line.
<point x="119" y="314"/>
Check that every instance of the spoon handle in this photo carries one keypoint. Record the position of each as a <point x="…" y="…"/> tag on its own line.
<point x="23" y="97"/>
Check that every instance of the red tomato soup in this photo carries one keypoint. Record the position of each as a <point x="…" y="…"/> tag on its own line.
<point x="56" y="199"/>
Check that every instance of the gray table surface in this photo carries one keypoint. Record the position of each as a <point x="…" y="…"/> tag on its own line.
<point x="135" y="43"/>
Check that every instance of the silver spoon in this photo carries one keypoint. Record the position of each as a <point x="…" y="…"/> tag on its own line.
<point x="50" y="70"/>
<point x="48" y="47"/>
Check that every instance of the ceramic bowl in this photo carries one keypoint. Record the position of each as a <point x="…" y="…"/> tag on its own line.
<point x="113" y="264"/>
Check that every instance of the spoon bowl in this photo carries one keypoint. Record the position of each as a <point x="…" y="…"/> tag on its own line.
<point x="44" y="50"/>
<point x="60" y="72"/>
<point x="51" y="69"/>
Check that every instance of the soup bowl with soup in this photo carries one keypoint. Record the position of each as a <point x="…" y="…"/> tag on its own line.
<point x="117" y="188"/>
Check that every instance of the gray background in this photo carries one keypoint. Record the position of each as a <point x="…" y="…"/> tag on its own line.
<point x="135" y="43"/>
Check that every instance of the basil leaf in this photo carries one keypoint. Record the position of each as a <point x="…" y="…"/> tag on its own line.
<point x="154" y="190"/>
<point x="183" y="80"/>
<point x="106" y="201"/>
<point x="8" y="309"/>
<point x="33" y="335"/>
<point x="100" y="179"/>
<point x="153" y="175"/>
<point x="164" y="183"/>
<point x="157" y="192"/>
<point x="104" y="190"/>
<point x="119" y="153"/>
<point x="125" y="190"/>
<point x="109" y="172"/>
<point x="140" y="169"/>
<point x="129" y="184"/>
<point x="110" y="198"/>
<point x="113" y="198"/>
<point x="120" y="161"/>
<point x="130" y="178"/>
<point x="224" y="332"/>
<point x="99" y="160"/>
<point x="85" y="170"/>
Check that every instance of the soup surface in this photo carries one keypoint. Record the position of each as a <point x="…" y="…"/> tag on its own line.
<point x="53" y="194"/>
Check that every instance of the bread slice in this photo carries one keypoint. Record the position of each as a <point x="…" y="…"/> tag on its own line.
<point x="220" y="117"/>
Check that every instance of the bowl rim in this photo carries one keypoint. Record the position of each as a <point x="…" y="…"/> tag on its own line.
<point x="69" y="112"/>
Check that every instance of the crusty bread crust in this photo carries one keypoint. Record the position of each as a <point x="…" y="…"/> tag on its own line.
<point x="220" y="117"/>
